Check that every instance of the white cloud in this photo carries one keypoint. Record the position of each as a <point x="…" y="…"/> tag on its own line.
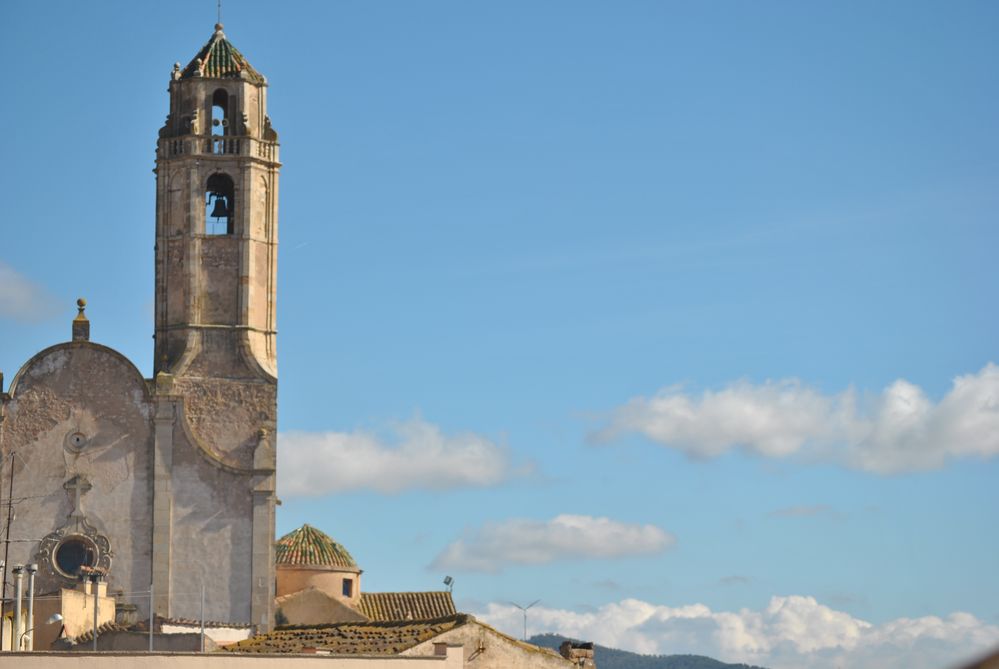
<point x="420" y="456"/>
<point x="791" y="632"/>
<point x="21" y="299"/>
<point x="523" y="541"/>
<point x="899" y="430"/>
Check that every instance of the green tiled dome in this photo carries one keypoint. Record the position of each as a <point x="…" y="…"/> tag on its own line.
<point x="219" y="59"/>
<point x="309" y="546"/>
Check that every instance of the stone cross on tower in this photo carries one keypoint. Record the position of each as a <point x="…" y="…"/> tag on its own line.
<point x="78" y="485"/>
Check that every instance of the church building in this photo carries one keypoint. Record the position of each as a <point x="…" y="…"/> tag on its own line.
<point x="166" y="485"/>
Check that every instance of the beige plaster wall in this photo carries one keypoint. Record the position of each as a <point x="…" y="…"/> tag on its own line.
<point x="485" y="648"/>
<point x="77" y="610"/>
<point x="326" y="579"/>
<point x="314" y="607"/>
<point x="138" y="660"/>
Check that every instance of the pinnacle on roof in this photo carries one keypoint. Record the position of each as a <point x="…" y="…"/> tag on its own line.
<point x="309" y="546"/>
<point x="219" y="59"/>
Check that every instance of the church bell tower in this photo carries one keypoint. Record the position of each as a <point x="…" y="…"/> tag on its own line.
<point x="216" y="215"/>
<point x="215" y="339"/>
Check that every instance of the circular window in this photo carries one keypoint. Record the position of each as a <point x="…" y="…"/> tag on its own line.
<point x="73" y="553"/>
<point x="75" y="441"/>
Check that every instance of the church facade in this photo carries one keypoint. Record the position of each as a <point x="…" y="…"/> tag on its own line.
<point x="166" y="485"/>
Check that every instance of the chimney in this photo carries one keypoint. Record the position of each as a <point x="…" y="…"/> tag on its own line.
<point x="81" y="326"/>
<point x="580" y="654"/>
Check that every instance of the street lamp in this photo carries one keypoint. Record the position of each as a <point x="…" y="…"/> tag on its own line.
<point x="449" y="582"/>
<point x="54" y="618"/>
<point x="524" y="609"/>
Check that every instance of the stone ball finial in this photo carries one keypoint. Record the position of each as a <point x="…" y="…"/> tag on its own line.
<point x="81" y="304"/>
<point x="218" y="27"/>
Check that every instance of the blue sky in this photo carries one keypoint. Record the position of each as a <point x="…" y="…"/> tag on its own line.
<point x="606" y="304"/>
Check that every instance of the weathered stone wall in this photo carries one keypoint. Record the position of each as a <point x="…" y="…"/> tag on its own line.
<point x="220" y="280"/>
<point x="211" y="537"/>
<point x="485" y="648"/>
<point x="80" y="409"/>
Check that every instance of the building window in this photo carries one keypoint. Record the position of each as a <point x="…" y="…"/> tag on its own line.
<point x="348" y="587"/>
<point x="75" y="552"/>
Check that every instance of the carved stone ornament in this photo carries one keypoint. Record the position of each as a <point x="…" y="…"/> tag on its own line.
<point x="74" y="542"/>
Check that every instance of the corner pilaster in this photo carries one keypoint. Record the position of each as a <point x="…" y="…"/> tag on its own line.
<point x="166" y="411"/>
<point x="262" y="562"/>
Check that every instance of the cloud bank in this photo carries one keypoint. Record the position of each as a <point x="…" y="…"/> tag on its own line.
<point x="791" y="632"/>
<point x="419" y="457"/>
<point x="526" y="542"/>
<point x="900" y="430"/>
<point x="22" y="299"/>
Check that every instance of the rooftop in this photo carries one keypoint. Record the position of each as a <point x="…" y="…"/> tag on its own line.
<point x="384" y="606"/>
<point x="307" y="546"/>
<point x="372" y="638"/>
<point x="219" y="59"/>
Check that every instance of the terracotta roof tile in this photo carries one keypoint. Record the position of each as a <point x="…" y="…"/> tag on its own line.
<point x="406" y="605"/>
<point x="307" y="546"/>
<point x="374" y="638"/>
<point x="219" y="59"/>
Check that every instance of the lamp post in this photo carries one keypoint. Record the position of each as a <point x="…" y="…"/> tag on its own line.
<point x="449" y="582"/>
<point x="54" y="618"/>
<point x="524" y="609"/>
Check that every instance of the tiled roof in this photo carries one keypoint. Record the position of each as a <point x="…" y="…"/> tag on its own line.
<point x="219" y="59"/>
<point x="196" y="622"/>
<point x="309" y="546"/>
<point x="406" y="605"/>
<point x="384" y="638"/>
<point x="109" y="626"/>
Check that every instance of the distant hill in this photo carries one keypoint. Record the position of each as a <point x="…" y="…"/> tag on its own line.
<point x="611" y="658"/>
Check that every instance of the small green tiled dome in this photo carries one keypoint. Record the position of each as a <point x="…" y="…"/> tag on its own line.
<point x="307" y="546"/>
<point x="219" y="59"/>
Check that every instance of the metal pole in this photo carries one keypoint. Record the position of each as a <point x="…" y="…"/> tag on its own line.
<point x="93" y="584"/>
<point x="6" y="548"/>
<point x="202" y="618"/>
<point x="150" y="617"/>
<point x="32" y="568"/>
<point x="18" y="592"/>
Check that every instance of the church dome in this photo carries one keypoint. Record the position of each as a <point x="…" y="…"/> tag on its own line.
<point x="307" y="546"/>
<point x="219" y="59"/>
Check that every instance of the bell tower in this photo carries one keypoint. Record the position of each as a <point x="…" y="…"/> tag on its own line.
<point x="216" y="213"/>
<point x="215" y="361"/>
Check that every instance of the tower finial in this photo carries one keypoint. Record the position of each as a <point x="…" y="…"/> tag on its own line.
<point x="81" y="326"/>
<point x="218" y="25"/>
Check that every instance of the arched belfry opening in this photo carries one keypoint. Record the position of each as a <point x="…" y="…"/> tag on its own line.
<point x="220" y="113"/>
<point x="220" y="205"/>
